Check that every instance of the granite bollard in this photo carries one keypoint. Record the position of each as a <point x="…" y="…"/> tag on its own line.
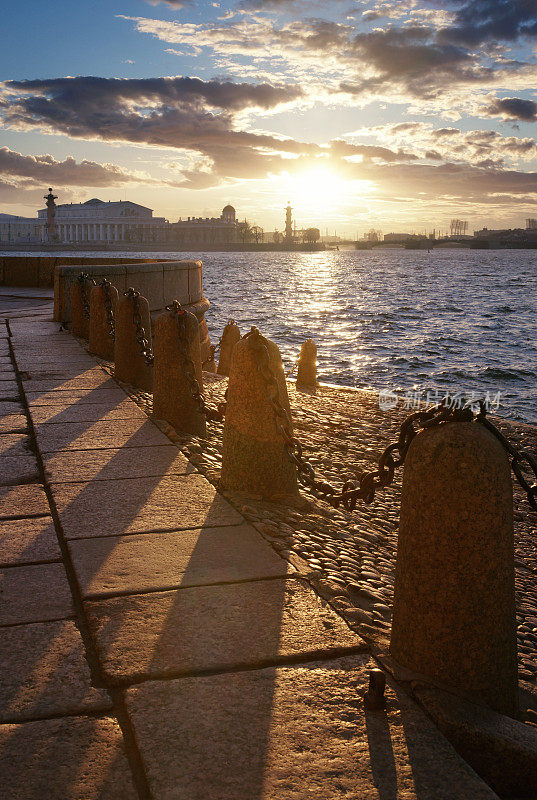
<point x="172" y="399"/>
<point x="230" y="336"/>
<point x="454" y="604"/>
<point x="130" y="363"/>
<point x="254" y="459"/>
<point x="79" y="299"/>
<point x="101" y="336"/>
<point x="307" y="364"/>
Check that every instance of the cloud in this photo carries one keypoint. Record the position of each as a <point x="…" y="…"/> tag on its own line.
<point x="42" y="169"/>
<point x="186" y="114"/>
<point x="453" y="144"/>
<point x="399" y="63"/>
<point x="172" y="3"/>
<point x="478" y="21"/>
<point x="512" y="108"/>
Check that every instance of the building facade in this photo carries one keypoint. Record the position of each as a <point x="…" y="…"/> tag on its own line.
<point x="18" y="230"/>
<point x="200" y="231"/>
<point x="98" y="222"/>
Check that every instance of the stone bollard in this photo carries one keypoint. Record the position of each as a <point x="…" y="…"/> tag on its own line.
<point x="254" y="458"/>
<point x="172" y="398"/>
<point x="454" y="605"/>
<point x="80" y="307"/>
<point x="307" y="364"/>
<point x="230" y="336"/>
<point x="131" y="364"/>
<point x="103" y="303"/>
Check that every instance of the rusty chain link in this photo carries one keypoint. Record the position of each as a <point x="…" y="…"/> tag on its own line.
<point x="520" y="459"/>
<point x="81" y="280"/>
<point x="292" y="368"/>
<point x="110" y="320"/>
<point x="141" y="338"/>
<point x="216" y="347"/>
<point x="213" y="413"/>
<point x="366" y="485"/>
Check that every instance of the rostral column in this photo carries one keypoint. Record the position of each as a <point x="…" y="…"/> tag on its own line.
<point x="51" y="216"/>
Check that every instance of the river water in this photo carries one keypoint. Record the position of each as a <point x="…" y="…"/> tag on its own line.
<point x="407" y="321"/>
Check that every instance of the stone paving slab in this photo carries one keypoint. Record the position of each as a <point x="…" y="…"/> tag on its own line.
<point x="35" y="593"/>
<point x="130" y="564"/>
<point x="112" y="394"/>
<point x="18" y="470"/>
<point x="67" y="466"/>
<point x="7" y="374"/>
<point x="24" y="541"/>
<point x="30" y="328"/>
<point x="99" y="435"/>
<point x="213" y="628"/>
<point x="75" y="758"/>
<point x="117" y="507"/>
<point x="8" y="408"/>
<point x="67" y="347"/>
<point x="91" y="379"/>
<point x="86" y="412"/>
<point x="11" y="423"/>
<point x="57" y="360"/>
<point x="44" y="673"/>
<point x="293" y="733"/>
<point x="23" y="501"/>
<point x="9" y="390"/>
<point x="14" y="444"/>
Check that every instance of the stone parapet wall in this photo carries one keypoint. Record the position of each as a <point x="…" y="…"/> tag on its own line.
<point x="160" y="282"/>
<point x="38" y="271"/>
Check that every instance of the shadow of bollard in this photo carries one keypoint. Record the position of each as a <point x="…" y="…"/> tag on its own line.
<point x="307" y="364"/>
<point x="173" y="400"/>
<point x="454" y="603"/>
<point x="254" y="458"/>
<point x="132" y="352"/>
<point x="230" y="336"/>
<point x="103" y="304"/>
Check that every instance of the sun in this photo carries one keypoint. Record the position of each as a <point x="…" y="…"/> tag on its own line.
<point x="320" y="189"/>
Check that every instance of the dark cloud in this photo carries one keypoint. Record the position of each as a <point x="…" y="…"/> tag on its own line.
<point x="478" y="21"/>
<point x="513" y="108"/>
<point x="180" y="113"/>
<point x="46" y="169"/>
<point x="451" y="182"/>
<point x="412" y="58"/>
<point x="90" y="91"/>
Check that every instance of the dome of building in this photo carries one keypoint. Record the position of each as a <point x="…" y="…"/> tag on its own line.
<point x="94" y="201"/>
<point x="228" y="210"/>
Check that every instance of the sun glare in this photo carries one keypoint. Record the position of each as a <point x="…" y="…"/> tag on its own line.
<point x="319" y="188"/>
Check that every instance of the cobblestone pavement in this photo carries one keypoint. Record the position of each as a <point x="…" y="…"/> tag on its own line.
<point x="350" y="557"/>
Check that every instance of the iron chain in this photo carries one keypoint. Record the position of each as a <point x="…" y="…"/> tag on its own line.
<point x="214" y="413"/>
<point x="216" y="347"/>
<point x="366" y="485"/>
<point x="82" y="279"/>
<point x="110" y="320"/>
<point x="141" y="337"/>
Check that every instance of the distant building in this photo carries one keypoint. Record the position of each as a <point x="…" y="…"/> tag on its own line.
<point x="18" y="230"/>
<point x="199" y="231"/>
<point x="509" y="236"/>
<point x="98" y="222"/>
<point x="401" y="238"/>
<point x="531" y="224"/>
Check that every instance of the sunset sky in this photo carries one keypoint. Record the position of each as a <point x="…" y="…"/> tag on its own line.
<point x="393" y="115"/>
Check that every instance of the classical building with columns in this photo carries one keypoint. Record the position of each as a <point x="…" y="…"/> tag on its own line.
<point x="19" y="230"/>
<point x="96" y="221"/>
